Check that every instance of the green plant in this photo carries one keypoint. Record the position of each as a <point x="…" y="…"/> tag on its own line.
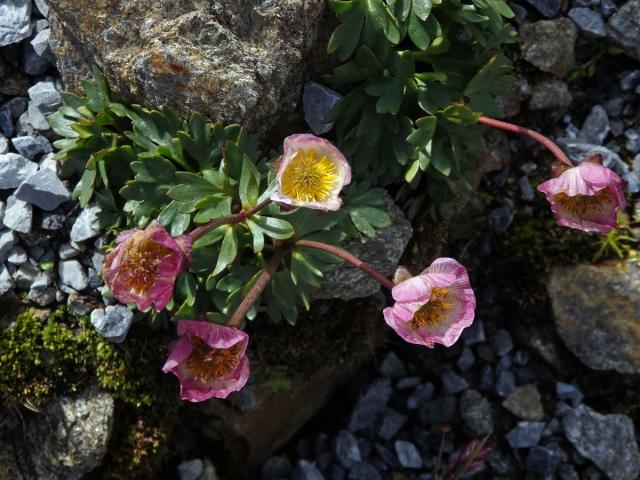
<point x="140" y="165"/>
<point x="417" y="76"/>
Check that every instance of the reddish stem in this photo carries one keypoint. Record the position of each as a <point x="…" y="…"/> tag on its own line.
<point x="346" y="256"/>
<point x="241" y="216"/>
<point x="254" y="292"/>
<point x="510" y="127"/>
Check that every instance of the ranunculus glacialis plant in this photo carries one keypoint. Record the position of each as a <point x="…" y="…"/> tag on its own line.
<point x="209" y="360"/>
<point x="434" y="306"/>
<point x="144" y="265"/>
<point x="311" y="173"/>
<point x="587" y="197"/>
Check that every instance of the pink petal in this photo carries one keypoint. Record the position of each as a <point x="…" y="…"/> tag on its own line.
<point x="180" y="351"/>
<point x="416" y="289"/>
<point x="216" y="336"/>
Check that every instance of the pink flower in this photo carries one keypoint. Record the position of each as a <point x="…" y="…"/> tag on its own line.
<point x="143" y="267"/>
<point x="208" y="359"/>
<point x="586" y="197"/>
<point x="311" y="173"/>
<point x="433" y="307"/>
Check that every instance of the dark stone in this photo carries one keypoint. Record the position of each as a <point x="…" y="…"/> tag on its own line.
<point x="525" y="403"/>
<point x="500" y="462"/>
<point x="504" y="364"/>
<point x="589" y="22"/>
<point x="629" y="80"/>
<point x="422" y="394"/>
<point x="276" y="468"/>
<point x="542" y="461"/>
<point x="408" y="382"/>
<point x="589" y="432"/>
<point x="306" y="471"/>
<point x="633" y="140"/>
<point x="392" y="422"/>
<point x="439" y="410"/>
<point x="614" y="106"/>
<point x="500" y="219"/>
<point x="336" y="472"/>
<point x="371" y="404"/>
<point x="476" y="413"/>
<point x="521" y="358"/>
<point x="526" y="190"/>
<point x="317" y="102"/>
<point x="569" y="392"/>
<point x="474" y="334"/>
<point x="596" y="126"/>
<point x="453" y="383"/>
<point x="608" y="8"/>
<point x="567" y="472"/>
<point x="549" y="45"/>
<point x="623" y="29"/>
<point x="392" y="366"/>
<point x="525" y="435"/>
<point x="364" y="471"/>
<point x="487" y="378"/>
<point x="408" y="455"/>
<point x="547" y="8"/>
<point x="466" y="360"/>
<point x="347" y="449"/>
<point x="501" y="342"/>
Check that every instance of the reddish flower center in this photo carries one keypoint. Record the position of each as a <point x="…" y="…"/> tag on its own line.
<point x="432" y="313"/>
<point x="206" y="363"/>
<point x="141" y="263"/>
<point x="581" y="205"/>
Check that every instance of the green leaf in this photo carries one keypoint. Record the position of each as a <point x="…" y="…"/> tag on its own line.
<point x="186" y="288"/>
<point x="274" y="227"/>
<point x="85" y="187"/>
<point x="249" y="182"/>
<point x="228" y="251"/>
<point x="258" y="235"/>
<point x="424" y="133"/>
<point x="422" y="8"/>
<point x="212" y="206"/>
<point x="390" y="92"/>
<point x="345" y="38"/>
<point x="192" y="187"/>
<point x="418" y="33"/>
<point x="154" y="170"/>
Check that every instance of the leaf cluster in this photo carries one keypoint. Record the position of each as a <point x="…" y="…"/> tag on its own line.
<point x="416" y="77"/>
<point x="141" y="165"/>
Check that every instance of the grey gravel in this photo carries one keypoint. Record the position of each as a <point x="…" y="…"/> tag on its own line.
<point x="14" y="169"/>
<point x="596" y="126"/>
<point x="190" y="470"/>
<point x="18" y="215"/>
<point x="4" y="144"/>
<point x="392" y="422"/>
<point x="633" y="140"/>
<point x="501" y="342"/>
<point x="453" y="383"/>
<point x="408" y="455"/>
<point x="8" y="238"/>
<point x="113" y="323"/>
<point x="42" y="7"/>
<point x="466" y="360"/>
<point x="547" y="8"/>
<point x="569" y="392"/>
<point x="589" y="22"/>
<point x="6" y="282"/>
<point x="42" y="297"/>
<point x="45" y="97"/>
<point x="44" y="190"/>
<point x="31" y="147"/>
<point x="475" y="411"/>
<point x="500" y="219"/>
<point x="525" y="403"/>
<point x="420" y="396"/>
<point x="347" y="450"/>
<point x="542" y="461"/>
<point x="15" y="21"/>
<point x="525" y="435"/>
<point x="73" y="275"/>
<point x="83" y="228"/>
<point x="623" y="29"/>
<point x="371" y="404"/>
<point x="392" y="366"/>
<point x="550" y="94"/>
<point x="307" y="471"/>
<point x="25" y="275"/>
<point x="505" y="383"/>
<point x="18" y="256"/>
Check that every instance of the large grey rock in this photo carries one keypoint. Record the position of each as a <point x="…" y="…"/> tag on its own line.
<point x="607" y="440"/>
<point x="18" y="215"/>
<point x="596" y="310"/>
<point x="15" y="21"/>
<point x="14" y="169"/>
<point x="113" y="323"/>
<point x="549" y="45"/>
<point x="85" y="227"/>
<point x="44" y="190"/>
<point x="624" y="28"/>
<point x="233" y="60"/>
<point x="381" y="252"/>
<point x="550" y="94"/>
<point x="65" y="440"/>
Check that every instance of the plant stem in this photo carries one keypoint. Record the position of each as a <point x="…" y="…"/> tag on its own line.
<point x="257" y="288"/>
<point x="346" y="256"/>
<point x="510" y="127"/>
<point x="241" y="216"/>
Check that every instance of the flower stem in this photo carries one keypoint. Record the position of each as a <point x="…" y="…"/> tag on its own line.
<point x="346" y="256"/>
<point x="546" y="142"/>
<point x="241" y="216"/>
<point x="257" y="288"/>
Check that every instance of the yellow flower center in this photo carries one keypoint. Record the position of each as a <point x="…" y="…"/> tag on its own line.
<point x="309" y="177"/>
<point x="141" y="263"/>
<point x="581" y="205"/>
<point x="206" y="363"/>
<point x="432" y="313"/>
